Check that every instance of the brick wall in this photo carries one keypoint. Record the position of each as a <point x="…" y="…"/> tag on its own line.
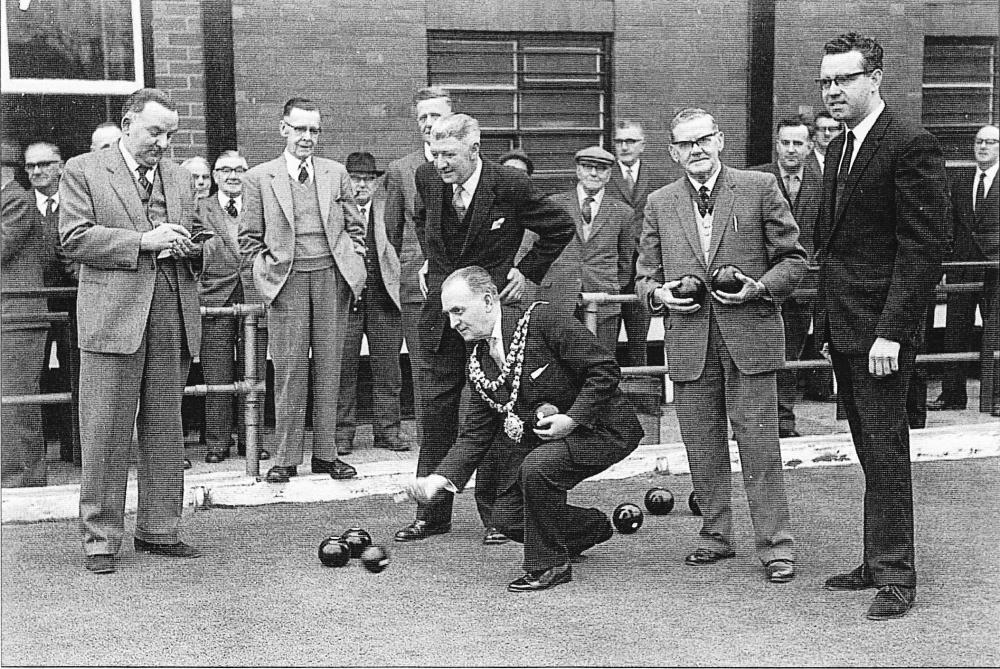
<point x="180" y="72"/>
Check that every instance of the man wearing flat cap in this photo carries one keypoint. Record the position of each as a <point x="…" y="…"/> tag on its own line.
<point x="599" y="257"/>
<point x="377" y="315"/>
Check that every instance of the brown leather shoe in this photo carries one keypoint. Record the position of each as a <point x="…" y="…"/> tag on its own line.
<point x="892" y="601"/>
<point x="542" y="579"/>
<point x="421" y="529"/>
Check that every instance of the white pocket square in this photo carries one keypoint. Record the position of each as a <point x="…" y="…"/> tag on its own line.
<point x="497" y="223"/>
<point x="538" y="372"/>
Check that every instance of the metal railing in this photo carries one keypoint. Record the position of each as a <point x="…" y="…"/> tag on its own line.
<point x="252" y="386"/>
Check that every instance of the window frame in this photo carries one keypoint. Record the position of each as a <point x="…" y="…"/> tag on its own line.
<point x="78" y="86"/>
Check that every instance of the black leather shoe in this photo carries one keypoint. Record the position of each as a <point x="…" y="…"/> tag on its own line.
<point x="177" y="550"/>
<point x="856" y="579"/>
<point x="494" y="537"/>
<point x="703" y="556"/>
<point x="788" y="433"/>
<point x="892" y="601"/>
<point x="214" y="457"/>
<point x="543" y="579"/>
<point x="263" y="454"/>
<point x="187" y="464"/>
<point x="101" y="563"/>
<point x="338" y="469"/>
<point x="420" y="529"/>
<point x="780" y="571"/>
<point x="944" y="404"/>
<point x="279" y="474"/>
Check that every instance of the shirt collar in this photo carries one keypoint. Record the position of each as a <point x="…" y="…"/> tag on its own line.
<point x="582" y="195"/>
<point x="633" y="168"/>
<point x="427" y="152"/>
<point x="224" y="201"/>
<point x="862" y="129"/>
<point x="989" y="174"/>
<point x="498" y="328"/>
<point x="472" y="183"/>
<point x="41" y="198"/>
<point x="294" y="163"/>
<point x="785" y="173"/>
<point x="133" y="164"/>
<point x="710" y="184"/>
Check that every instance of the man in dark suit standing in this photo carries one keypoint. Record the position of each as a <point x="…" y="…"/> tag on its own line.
<point x="802" y="188"/>
<point x="223" y="284"/>
<point x="723" y="354"/>
<point x="471" y="212"/>
<point x="127" y="216"/>
<point x="975" y="200"/>
<point x="304" y="238"/>
<point x="430" y="104"/>
<point x="632" y="180"/>
<point x="519" y="362"/>
<point x="824" y="129"/>
<point x="600" y="257"/>
<point x="377" y="316"/>
<point x="21" y="359"/>
<point x="882" y="231"/>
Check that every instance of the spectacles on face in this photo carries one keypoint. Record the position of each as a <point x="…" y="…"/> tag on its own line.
<point x="841" y="80"/>
<point x="593" y="167"/>
<point x="830" y="130"/>
<point x="303" y="129"/>
<point x="626" y="141"/>
<point x="226" y="171"/>
<point x="42" y="165"/>
<point x="703" y="142"/>
<point x="986" y="142"/>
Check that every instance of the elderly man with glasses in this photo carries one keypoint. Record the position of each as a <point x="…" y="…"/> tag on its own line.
<point x="304" y="238"/>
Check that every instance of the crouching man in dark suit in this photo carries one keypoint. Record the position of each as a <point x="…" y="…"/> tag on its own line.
<point x="520" y="361"/>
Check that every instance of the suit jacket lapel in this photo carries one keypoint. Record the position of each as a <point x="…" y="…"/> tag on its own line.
<point x="723" y="211"/>
<point x="283" y="190"/>
<point x="482" y="203"/>
<point x="868" y="148"/>
<point x="600" y="218"/>
<point x="685" y="214"/>
<point x="220" y="221"/>
<point x="125" y="186"/>
<point x="324" y="188"/>
<point x="171" y="189"/>
<point x="619" y="184"/>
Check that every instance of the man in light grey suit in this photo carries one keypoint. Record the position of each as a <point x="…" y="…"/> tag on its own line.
<point x="723" y="354"/>
<point x="304" y="238"/>
<point x="599" y="258"/>
<point x="376" y="316"/>
<point x="126" y="216"/>
<point x="430" y="104"/>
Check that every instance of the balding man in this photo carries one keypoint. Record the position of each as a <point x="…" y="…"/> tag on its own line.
<point x="105" y="135"/>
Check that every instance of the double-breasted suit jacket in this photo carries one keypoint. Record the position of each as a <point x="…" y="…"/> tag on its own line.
<point x="267" y="232"/>
<point x="101" y="218"/>
<point x="752" y="228"/>
<point x="601" y="263"/>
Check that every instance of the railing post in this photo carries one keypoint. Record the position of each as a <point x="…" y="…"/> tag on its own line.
<point x="252" y="399"/>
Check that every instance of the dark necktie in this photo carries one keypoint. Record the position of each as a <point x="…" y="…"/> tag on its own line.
<point x="143" y="181"/>
<point x="629" y="181"/>
<point x="587" y="215"/>
<point x="980" y="190"/>
<point x="845" y="167"/>
<point x="303" y="173"/>
<point x="458" y="203"/>
<point x="231" y="208"/>
<point x="50" y="207"/>
<point x="704" y="202"/>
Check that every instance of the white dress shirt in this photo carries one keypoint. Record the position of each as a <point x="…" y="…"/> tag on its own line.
<point x="294" y="164"/>
<point x="41" y="201"/>
<point x="861" y="131"/>
<point x="470" y="185"/>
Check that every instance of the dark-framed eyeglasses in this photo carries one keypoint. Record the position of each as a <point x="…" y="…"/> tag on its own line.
<point x="627" y="141"/>
<point x="303" y="129"/>
<point x="231" y="170"/>
<point x="985" y="141"/>
<point x="703" y="142"/>
<point x="841" y="79"/>
<point x="42" y="165"/>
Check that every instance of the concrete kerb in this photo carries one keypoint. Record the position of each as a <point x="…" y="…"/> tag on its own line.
<point x="234" y="489"/>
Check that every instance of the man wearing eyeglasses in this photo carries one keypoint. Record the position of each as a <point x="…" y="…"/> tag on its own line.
<point x="824" y="129"/>
<point x="304" y="238"/>
<point x="221" y="284"/>
<point x="723" y="353"/>
<point x="974" y="204"/>
<point x="882" y="232"/>
<point x="632" y="180"/>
